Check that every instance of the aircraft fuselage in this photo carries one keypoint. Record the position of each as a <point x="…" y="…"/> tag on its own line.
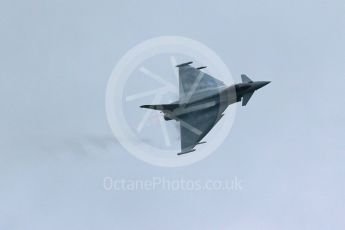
<point x="223" y="97"/>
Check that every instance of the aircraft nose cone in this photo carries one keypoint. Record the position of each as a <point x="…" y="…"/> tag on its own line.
<point x="263" y="83"/>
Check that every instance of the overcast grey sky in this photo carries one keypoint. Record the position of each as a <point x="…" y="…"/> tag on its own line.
<point x="287" y="146"/>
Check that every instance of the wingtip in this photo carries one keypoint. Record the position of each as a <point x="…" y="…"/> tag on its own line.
<point x="184" y="152"/>
<point x="183" y="64"/>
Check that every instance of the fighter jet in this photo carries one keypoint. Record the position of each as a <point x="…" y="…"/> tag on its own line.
<point x="202" y="101"/>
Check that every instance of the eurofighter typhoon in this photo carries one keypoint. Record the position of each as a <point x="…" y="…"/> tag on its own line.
<point x="202" y="101"/>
